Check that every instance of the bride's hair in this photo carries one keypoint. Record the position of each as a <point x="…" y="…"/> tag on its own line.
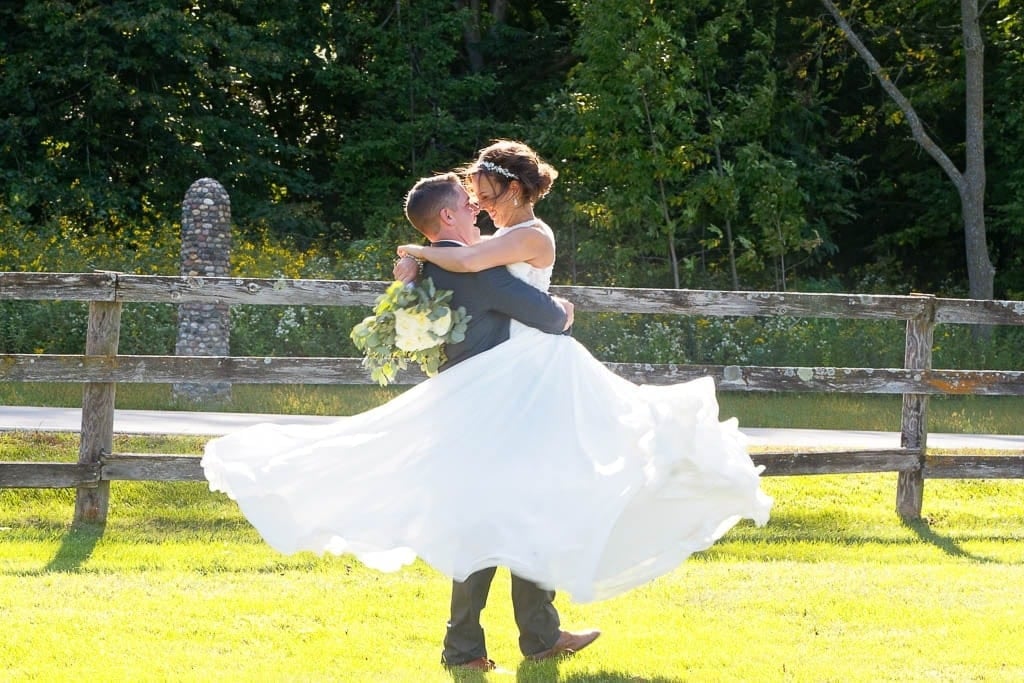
<point x="506" y="160"/>
<point x="427" y="197"/>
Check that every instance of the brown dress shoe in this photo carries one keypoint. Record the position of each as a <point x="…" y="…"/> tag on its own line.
<point x="567" y="644"/>
<point x="478" y="664"/>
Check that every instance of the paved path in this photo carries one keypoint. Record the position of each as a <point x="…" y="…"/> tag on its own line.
<point x="215" y="424"/>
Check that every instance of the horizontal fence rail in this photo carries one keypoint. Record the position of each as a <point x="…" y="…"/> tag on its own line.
<point x="100" y="369"/>
<point x="163" y="467"/>
<point x="115" y="287"/>
<point x="312" y="370"/>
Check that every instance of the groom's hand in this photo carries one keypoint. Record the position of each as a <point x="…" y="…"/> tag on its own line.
<point x="406" y="269"/>
<point x="569" y="311"/>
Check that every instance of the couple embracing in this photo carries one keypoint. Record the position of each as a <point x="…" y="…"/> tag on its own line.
<point x="525" y="452"/>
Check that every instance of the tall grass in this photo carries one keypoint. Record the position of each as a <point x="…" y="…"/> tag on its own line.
<point x="178" y="587"/>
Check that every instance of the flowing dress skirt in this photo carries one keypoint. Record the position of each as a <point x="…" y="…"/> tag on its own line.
<point x="531" y="456"/>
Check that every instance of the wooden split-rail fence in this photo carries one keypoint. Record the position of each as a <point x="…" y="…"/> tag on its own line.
<point x="101" y="368"/>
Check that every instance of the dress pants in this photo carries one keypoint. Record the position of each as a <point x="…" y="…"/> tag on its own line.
<point x="535" y="616"/>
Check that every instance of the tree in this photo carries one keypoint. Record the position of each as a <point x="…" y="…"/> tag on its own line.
<point x="661" y="125"/>
<point x="1005" y="129"/>
<point x="969" y="183"/>
<point x="316" y="117"/>
<point x="114" y="109"/>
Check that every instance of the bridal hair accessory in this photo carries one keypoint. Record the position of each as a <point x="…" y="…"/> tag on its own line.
<point x="410" y="324"/>
<point x="494" y="168"/>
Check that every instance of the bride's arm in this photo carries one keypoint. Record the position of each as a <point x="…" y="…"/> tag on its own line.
<point x="524" y="244"/>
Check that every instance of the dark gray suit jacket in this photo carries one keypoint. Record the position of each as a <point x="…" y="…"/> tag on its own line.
<point x="493" y="297"/>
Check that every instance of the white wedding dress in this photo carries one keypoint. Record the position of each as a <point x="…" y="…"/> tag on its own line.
<point x="531" y="456"/>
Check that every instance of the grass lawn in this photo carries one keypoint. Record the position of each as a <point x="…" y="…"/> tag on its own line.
<point x="178" y="587"/>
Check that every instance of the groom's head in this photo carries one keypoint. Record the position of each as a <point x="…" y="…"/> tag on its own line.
<point x="440" y="208"/>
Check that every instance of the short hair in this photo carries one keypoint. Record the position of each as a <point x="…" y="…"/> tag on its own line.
<point x="427" y="197"/>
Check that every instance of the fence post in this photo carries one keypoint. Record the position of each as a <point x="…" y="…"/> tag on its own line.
<point x="914" y="422"/>
<point x="91" y="502"/>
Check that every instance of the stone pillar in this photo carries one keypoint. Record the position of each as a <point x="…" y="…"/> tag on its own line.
<point x="204" y="329"/>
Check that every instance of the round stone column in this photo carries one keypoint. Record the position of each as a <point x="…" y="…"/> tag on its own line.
<point x="204" y="329"/>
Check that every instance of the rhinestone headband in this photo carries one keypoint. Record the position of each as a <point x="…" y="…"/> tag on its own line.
<point x="494" y="168"/>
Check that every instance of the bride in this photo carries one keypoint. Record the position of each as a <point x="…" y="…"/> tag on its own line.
<point x="531" y="455"/>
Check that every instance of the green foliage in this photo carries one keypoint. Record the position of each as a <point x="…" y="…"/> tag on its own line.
<point x="911" y="223"/>
<point x="625" y="129"/>
<point x="60" y="327"/>
<point x="703" y="144"/>
<point x="324" y="331"/>
<point x="312" y="116"/>
<point x="135" y="101"/>
<point x="956" y="347"/>
<point x="306" y="330"/>
<point x="1005" y="126"/>
<point x="681" y="144"/>
<point x="804" y="342"/>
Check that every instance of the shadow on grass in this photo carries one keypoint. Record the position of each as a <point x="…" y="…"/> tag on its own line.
<point x="831" y="529"/>
<point x="546" y="676"/>
<point x="160" y="528"/>
<point x="547" y="672"/>
<point x="543" y="676"/>
<point x="947" y="545"/>
<point x="75" y="548"/>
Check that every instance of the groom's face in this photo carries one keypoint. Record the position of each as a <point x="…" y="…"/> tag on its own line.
<point x="465" y="211"/>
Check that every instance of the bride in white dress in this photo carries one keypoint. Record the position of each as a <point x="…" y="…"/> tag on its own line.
<point x="532" y="455"/>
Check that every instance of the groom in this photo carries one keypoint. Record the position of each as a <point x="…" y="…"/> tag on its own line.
<point x="441" y="209"/>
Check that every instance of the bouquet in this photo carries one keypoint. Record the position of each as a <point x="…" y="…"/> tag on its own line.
<point x="410" y="324"/>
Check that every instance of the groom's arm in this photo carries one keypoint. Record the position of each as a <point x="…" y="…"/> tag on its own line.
<point x="509" y="295"/>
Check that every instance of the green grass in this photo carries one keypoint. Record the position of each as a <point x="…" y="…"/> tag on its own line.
<point x="953" y="414"/>
<point x="178" y="587"/>
<point x="245" y="398"/>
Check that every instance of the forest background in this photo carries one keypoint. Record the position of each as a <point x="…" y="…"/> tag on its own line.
<point x="712" y="144"/>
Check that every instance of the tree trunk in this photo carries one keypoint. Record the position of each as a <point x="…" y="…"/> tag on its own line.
<point x="720" y="167"/>
<point x="499" y="9"/>
<point x="471" y="35"/>
<point x="666" y="213"/>
<point x="782" y="254"/>
<point x="970" y="184"/>
<point x="980" y="272"/>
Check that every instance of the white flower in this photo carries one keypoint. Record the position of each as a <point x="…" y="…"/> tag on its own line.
<point x="413" y="331"/>
<point x="441" y="326"/>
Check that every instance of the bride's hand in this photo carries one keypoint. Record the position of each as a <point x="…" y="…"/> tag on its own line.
<point x="413" y="250"/>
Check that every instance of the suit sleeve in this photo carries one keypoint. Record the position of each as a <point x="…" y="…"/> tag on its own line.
<point x="508" y="294"/>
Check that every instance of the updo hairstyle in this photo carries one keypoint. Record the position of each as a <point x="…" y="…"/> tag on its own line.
<point x="506" y="160"/>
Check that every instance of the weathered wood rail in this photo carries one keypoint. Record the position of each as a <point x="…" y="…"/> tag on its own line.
<point x="101" y="368"/>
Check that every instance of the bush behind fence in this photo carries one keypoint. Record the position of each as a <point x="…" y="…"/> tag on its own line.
<point x="150" y="328"/>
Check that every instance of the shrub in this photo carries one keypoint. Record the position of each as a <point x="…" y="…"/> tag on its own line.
<point x="741" y="341"/>
<point x="60" y="327"/>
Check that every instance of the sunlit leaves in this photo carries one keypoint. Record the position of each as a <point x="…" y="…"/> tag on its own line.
<point x="658" y="109"/>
